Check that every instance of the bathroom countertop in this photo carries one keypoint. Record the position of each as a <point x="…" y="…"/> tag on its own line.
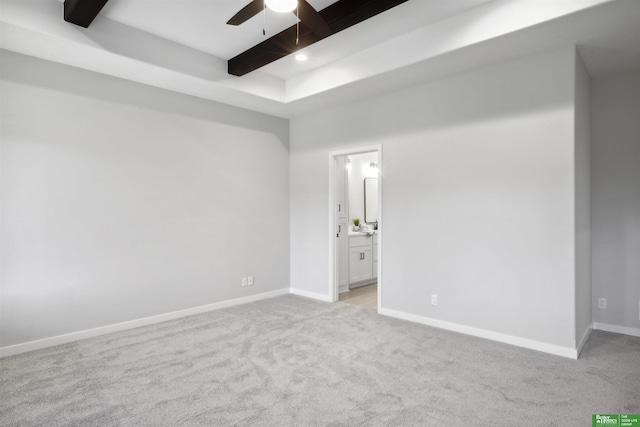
<point x="362" y="233"/>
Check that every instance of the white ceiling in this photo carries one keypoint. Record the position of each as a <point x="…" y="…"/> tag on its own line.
<point x="201" y="25"/>
<point x="183" y="45"/>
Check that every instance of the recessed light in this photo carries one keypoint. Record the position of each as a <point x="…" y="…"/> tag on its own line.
<point x="301" y="57"/>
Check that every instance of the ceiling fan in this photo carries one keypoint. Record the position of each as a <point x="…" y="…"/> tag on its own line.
<point x="306" y="13"/>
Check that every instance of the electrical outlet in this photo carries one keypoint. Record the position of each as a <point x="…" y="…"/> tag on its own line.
<point x="434" y="299"/>
<point x="250" y="282"/>
<point x="602" y="303"/>
<point x="244" y="282"/>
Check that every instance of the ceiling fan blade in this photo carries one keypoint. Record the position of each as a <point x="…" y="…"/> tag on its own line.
<point x="247" y="12"/>
<point x="313" y="19"/>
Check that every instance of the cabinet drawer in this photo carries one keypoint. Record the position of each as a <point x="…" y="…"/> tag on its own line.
<point x="359" y="241"/>
<point x="374" y="248"/>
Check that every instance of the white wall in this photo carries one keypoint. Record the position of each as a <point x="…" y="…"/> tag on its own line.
<point x="616" y="199"/>
<point x="121" y="201"/>
<point x="583" y="199"/>
<point x="484" y="161"/>
<point x="359" y="170"/>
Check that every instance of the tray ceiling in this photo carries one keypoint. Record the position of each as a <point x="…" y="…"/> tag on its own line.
<point x="184" y="45"/>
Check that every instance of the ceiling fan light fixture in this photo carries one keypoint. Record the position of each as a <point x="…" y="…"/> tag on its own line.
<point x="282" y="6"/>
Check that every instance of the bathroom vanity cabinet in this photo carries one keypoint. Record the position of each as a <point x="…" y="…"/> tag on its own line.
<point x="363" y="259"/>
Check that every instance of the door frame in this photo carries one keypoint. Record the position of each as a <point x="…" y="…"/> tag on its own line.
<point x="333" y="221"/>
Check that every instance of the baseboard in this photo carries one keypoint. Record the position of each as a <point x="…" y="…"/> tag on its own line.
<point x="361" y="284"/>
<point x="557" y="350"/>
<point x="89" y="333"/>
<point x="313" y="295"/>
<point x="634" y="332"/>
<point x="584" y="339"/>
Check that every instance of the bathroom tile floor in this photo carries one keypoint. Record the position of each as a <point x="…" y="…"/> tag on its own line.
<point x="363" y="296"/>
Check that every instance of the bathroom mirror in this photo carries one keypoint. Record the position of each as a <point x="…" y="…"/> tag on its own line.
<point x="370" y="200"/>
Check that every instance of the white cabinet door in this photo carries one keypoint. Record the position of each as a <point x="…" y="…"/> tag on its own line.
<point x="341" y="188"/>
<point x="360" y="264"/>
<point x="374" y="255"/>
<point x="367" y="263"/>
<point x="343" y="256"/>
<point x="355" y="266"/>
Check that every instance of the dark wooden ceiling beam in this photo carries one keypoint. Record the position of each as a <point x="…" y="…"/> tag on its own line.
<point x="82" y="12"/>
<point x="338" y="16"/>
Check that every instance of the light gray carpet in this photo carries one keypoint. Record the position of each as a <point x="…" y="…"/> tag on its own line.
<point x="291" y="361"/>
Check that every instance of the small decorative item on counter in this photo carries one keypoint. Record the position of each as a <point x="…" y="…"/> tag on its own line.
<point x="356" y="224"/>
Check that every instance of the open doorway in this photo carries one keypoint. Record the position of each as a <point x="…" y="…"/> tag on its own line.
<point x="356" y="225"/>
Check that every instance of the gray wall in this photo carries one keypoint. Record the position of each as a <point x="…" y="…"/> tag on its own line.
<point x="121" y="201"/>
<point x="583" y="199"/>
<point x="616" y="199"/>
<point x="478" y="196"/>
